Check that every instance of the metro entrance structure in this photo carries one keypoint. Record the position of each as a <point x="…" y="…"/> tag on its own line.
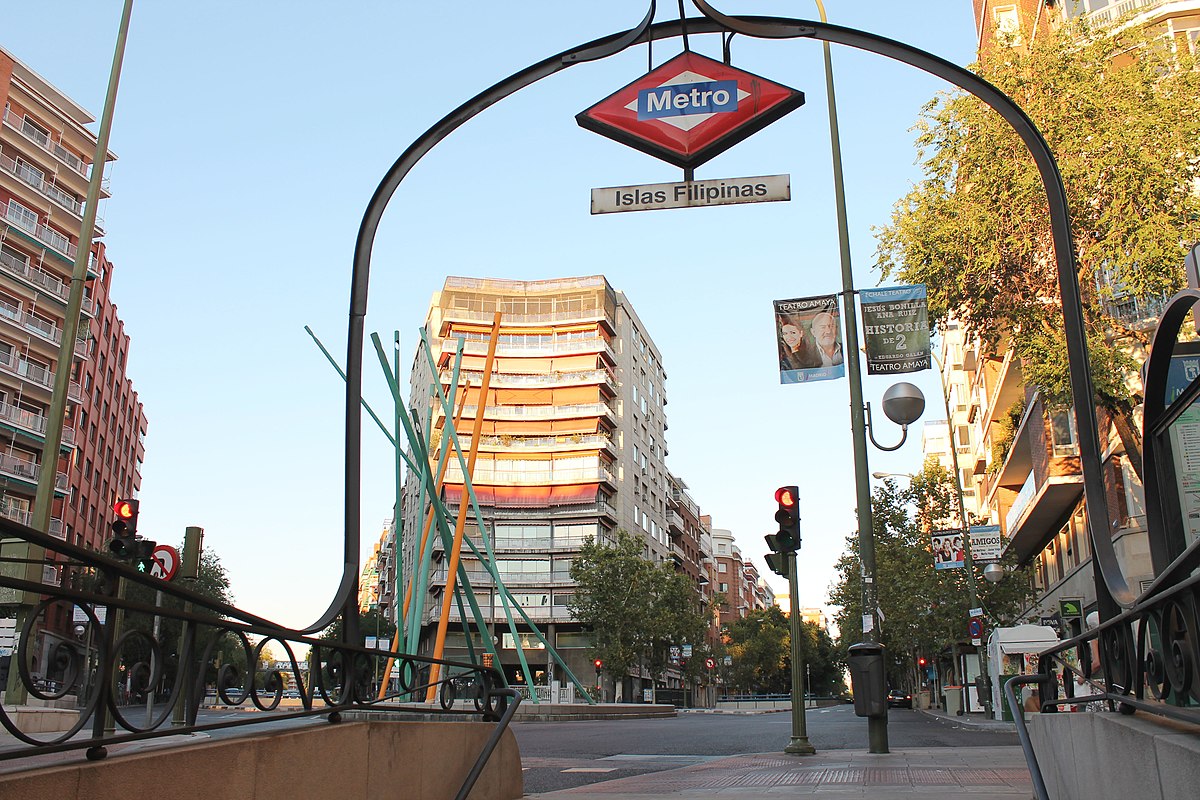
<point x="1157" y="673"/>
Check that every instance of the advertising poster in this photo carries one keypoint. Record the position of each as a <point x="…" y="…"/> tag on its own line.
<point x="895" y="329"/>
<point x="986" y="544"/>
<point x="808" y="337"/>
<point x="948" y="549"/>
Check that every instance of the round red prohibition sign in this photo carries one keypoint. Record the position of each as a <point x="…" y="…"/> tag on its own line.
<point x="166" y="562"/>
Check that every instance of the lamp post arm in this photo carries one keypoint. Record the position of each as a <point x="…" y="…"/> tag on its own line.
<point x="871" y="434"/>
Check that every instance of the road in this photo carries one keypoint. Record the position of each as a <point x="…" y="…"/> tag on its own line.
<point x="561" y="755"/>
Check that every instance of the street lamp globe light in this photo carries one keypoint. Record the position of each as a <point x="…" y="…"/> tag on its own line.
<point x="993" y="572"/>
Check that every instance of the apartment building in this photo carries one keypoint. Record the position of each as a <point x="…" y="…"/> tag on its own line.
<point x="1020" y="469"/>
<point x="1015" y="22"/>
<point x="45" y="164"/>
<point x="573" y="447"/>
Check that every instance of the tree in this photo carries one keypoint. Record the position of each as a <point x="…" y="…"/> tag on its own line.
<point x="637" y="610"/>
<point x="923" y="610"/>
<point x="760" y="644"/>
<point x="1120" y="109"/>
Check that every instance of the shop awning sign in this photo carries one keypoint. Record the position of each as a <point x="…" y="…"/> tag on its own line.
<point x="690" y="109"/>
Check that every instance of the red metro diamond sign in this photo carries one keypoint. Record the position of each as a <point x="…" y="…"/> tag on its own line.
<point x="690" y="109"/>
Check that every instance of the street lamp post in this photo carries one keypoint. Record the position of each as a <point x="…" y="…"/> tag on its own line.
<point x="968" y="563"/>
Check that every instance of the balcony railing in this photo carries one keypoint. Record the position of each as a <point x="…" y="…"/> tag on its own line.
<point x="47" y="236"/>
<point x="40" y="279"/>
<point x="46" y="143"/>
<point x="533" y="478"/>
<point x="475" y="347"/>
<point x="30" y="421"/>
<point x="27" y="470"/>
<point x="33" y="177"/>
<point x="13" y="364"/>
<point x="538" y="379"/>
<point x="26" y="518"/>
<point x="580" y="441"/>
<point x="541" y="412"/>
<point x="574" y="315"/>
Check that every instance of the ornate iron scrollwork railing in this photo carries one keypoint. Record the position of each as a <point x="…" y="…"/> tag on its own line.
<point x="137" y="658"/>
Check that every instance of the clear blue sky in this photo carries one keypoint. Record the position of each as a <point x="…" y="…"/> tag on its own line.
<point x="250" y="137"/>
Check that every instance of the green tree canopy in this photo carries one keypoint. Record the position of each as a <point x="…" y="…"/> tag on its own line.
<point x="924" y="610"/>
<point x="636" y="609"/>
<point x="1120" y="110"/>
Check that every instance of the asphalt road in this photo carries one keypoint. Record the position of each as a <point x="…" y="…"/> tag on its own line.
<point x="561" y="755"/>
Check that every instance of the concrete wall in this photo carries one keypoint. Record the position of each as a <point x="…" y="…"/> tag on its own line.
<point x="1085" y="756"/>
<point x="351" y="760"/>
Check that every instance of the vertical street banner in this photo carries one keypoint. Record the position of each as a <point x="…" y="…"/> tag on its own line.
<point x="808" y="336"/>
<point x="895" y="329"/>
<point x="948" y="549"/>
<point x="986" y="544"/>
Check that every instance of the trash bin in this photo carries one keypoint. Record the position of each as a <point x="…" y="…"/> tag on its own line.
<point x="867" y="676"/>
<point x="953" y="695"/>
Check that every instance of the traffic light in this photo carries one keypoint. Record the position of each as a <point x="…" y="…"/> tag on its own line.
<point x="142" y="555"/>
<point x="787" y="539"/>
<point x="788" y="517"/>
<point x="921" y="661"/>
<point x="124" y="528"/>
<point x="599" y="664"/>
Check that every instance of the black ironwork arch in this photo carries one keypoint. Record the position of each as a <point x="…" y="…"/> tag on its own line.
<point x="1116" y="591"/>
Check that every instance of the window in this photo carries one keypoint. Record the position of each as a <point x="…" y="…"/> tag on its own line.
<point x="22" y="216"/>
<point x="723" y="567"/>
<point x="1008" y="25"/>
<point x="1062" y="434"/>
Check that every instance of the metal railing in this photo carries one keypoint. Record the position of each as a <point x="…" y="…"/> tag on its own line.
<point x="34" y="178"/>
<point x="46" y="235"/>
<point x="46" y="143"/>
<point x="175" y="654"/>
<point x="31" y="421"/>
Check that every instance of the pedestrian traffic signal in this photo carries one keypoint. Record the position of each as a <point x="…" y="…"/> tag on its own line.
<point x="142" y="555"/>
<point x="788" y="517"/>
<point x="124" y="528"/>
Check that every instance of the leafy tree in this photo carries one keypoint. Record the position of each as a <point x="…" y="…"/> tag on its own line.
<point x="637" y="610"/>
<point x="1120" y="109"/>
<point x="612" y="598"/>
<point x="923" y="610"/>
<point x="760" y="644"/>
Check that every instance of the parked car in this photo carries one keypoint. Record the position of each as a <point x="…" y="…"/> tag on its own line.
<point x="898" y="698"/>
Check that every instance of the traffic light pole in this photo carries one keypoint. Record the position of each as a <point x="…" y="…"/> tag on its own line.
<point x="799" y="745"/>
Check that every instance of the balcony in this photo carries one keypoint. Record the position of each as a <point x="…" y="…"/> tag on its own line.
<point x="567" y="316"/>
<point x="675" y="523"/>
<point x="57" y="243"/>
<point x="488" y="477"/>
<point x="541" y="412"/>
<point x="1035" y="489"/>
<point x="26" y="518"/>
<point x="33" y="134"/>
<point x="39" y="279"/>
<point x="510" y="380"/>
<point x="34" y="424"/>
<point x="567" y="443"/>
<point x="33" y="373"/>
<point x="533" y="348"/>
<point x="28" y="471"/>
<point x="34" y="178"/>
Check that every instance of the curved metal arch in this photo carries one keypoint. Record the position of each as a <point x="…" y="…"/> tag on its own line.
<point x="759" y="27"/>
<point x="1158" y="414"/>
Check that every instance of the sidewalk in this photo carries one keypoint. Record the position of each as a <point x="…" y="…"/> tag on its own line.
<point x="983" y="773"/>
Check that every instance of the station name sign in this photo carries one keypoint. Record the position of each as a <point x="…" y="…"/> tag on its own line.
<point x="692" y="194"/>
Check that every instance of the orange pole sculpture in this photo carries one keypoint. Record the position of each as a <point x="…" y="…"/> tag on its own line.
<point x="460" y="523"/>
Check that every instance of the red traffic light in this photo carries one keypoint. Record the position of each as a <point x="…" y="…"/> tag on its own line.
<point x="599" y="663"/>
<point x="785" y="496"/>
<point x="125" y="509"/>
<point x="921" y="661"/>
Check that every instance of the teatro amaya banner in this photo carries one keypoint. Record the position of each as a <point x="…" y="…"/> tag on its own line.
<point x="895" y="329"/>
